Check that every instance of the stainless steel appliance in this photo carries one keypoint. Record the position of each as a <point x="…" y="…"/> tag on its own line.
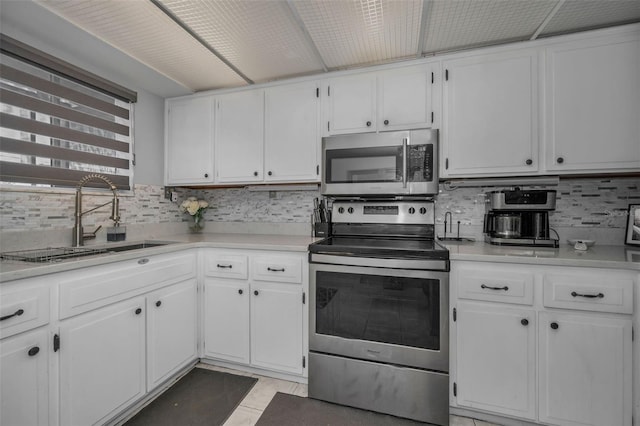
<point x="387" y="163"/>
<point x="519" y="217"/>
<point x="379" y="326"/>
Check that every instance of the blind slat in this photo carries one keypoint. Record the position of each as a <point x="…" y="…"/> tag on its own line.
<point x="37" y="127"/>
<point x="26" y="79"/>
<point x="38" y="105"/>
<point x="28" y="173"/>
<point x="59" y="153"/>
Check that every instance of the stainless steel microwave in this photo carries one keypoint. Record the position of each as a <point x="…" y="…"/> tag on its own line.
<point x="381" y="164"/>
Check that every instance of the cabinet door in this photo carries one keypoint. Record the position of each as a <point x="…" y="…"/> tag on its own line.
<point x="404" y="98"/>
<point x="351" y="104"/>
<point x="593" y="99"/>
<point x="24" y="377"/>
<point x="276" y="327"/>
<point x="189" y="141"/>
<point x="490" y="124"/>
<point x="171" y="331"/>
<point x="583" y="361"/>
<point x="102" y="362"/>
<point x="239" y="136"/>
<point x="495" y="359"/>
<point x="292" y="141"/>
<point x="226" y="319"/>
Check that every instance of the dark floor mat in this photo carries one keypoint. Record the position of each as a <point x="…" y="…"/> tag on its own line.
<point x="202" y="397"/>
<point x="291" y="410"/>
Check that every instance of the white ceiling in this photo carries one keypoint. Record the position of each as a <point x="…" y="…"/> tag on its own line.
<point x="211" y="44"/>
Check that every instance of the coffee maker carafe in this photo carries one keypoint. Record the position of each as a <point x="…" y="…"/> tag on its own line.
<point x="519" y="217"/>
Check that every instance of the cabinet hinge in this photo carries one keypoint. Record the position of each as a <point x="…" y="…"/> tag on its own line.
<point x="304" y="362"/>
<point x="328" y="90"/>
<point x="446" y="75"/>
<point x="432" y="78"/>
<point x="328" y="128"/>
<point x="56" y="343"/>
<point x="431" y="116"/>
<point x="446" y="164"/>
<point x="318" y="169"/>
<point x="455" y="389"/>
<point x="633" y="334"/>
<point x="304" y="298"/>
<point x="455" y="314"/>
<point x="317" y="92"/>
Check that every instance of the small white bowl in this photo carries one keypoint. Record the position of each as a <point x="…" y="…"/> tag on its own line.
<point x="575" y="241"/>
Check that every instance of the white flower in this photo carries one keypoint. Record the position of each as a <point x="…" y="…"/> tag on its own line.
<point x="203" y="204"/>
<point x="193" y="206"/>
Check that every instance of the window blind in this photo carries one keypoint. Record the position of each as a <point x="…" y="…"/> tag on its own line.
<point x="59" y="123"/>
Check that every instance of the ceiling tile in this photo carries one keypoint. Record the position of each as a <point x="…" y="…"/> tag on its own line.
<point x="260" y="38"/>
<point x="575" y="15"/>
<point x="143" y="31"/>
<point x="349" y="33"/>
<point x="460" y="24"/>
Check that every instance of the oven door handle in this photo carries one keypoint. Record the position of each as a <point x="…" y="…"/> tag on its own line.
<point x="404" y="162"/>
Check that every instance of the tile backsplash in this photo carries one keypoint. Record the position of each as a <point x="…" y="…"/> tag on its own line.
<point x="584" y="207"/>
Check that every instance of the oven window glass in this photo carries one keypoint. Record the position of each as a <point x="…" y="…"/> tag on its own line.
<point x="396" y="310"/>
<point x="362" y="165"/>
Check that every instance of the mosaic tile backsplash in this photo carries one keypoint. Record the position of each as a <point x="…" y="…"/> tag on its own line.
<point x="581" y="203"/>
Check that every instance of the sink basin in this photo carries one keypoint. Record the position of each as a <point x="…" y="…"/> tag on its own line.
<point x="458" y="239"/>
<point x="58" y="254"/>
<point x="136" y="246"/>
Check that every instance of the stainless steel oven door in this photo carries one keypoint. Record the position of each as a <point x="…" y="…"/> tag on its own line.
<point x="385" y="315"/>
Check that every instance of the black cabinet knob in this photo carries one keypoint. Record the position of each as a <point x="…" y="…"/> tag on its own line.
<point x="386" y="122"/>
<point x="256" y="292"/>
<point x="560" y="160"/>
<point x="529" y="161"/>
<point x="34" y="351"/>
<point x="158" y="303"/>
<point x="368" y="124"/>
<point x="138" y="311"/>
<point x="206" y="175"/>
<point x="524" y="321"/>
<point x="255" y="173"/>
<point x="240" y="291"/>
<point x="270" y="173"/>
<point x="554" y="325"/>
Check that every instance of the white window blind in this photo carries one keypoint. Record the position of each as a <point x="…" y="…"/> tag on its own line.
<point x="59" y="123"/>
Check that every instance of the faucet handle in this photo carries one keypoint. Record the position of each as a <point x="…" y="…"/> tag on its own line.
<point x="91" y="235"/>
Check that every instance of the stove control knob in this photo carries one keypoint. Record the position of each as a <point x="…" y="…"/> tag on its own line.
<point x="340" y="210"/>
<point x="350" y="210"/>
<point x="423" y="210"/>
<point x="412" y="210"/>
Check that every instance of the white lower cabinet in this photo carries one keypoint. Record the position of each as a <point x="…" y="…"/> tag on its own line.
<point x="574" y="339"/>
<point x="102" y="362"/>
<point x="496" y="358"/>
<point x="24" y="371"/>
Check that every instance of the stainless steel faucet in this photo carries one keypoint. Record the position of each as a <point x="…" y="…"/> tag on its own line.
<point x="79" y="236"/>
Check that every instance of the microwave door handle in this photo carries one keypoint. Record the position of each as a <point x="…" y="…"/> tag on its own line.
<point x="404" y="162"/>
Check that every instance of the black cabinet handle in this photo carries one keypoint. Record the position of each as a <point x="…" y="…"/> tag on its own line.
<point x="386" y="122"/>
<point x="524" y="321"/>
<point x="588" y="296"/>
<point x="275" y="269"/>
<point x="34" y="351"/>
<point x="158" y="303"/>
<point x="206" y="175"/>
<point x="138" y="311"/>
<point x="256" y="292"/>
<point x="224" y="266"/>
<point x="240" y="291"/>
<point x="15" y="314"/>
<point x="505" y="288"/>
<point x="554" y="325"/>
<point x="529" y="162"/>
<point x="255" y="173"/>
<point x="560" y="160"/>
<point x="270" y="173"/>
<point x="368" y="124"/>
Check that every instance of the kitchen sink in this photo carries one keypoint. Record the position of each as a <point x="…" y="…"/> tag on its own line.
<point x="136" y="246"/>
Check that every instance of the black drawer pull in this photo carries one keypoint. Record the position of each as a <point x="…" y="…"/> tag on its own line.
<point x="256" y="292"/>
<point x="588" y="296"/>
<point x="34" y="351"/>
<point x="240" y="291"/>
<point x="224" y="266"/>
<point x="158" y="303"/>
<point x="275" y="269"/>
<point x="143" y="261"/>
<point x="524" y="321"/>
<point x="554" y="325"/>
<point x="505" y="288"/>
<point x="15" y="314"/>
<point x="138" y="311"/>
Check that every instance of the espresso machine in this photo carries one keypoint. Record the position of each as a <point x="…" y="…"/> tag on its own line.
<point x="519" y="217"/>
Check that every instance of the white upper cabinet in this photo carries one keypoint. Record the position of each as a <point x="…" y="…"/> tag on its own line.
<point x="592" y="112"/>
<point x="292" y="142"/>
<point x="490" y="115"/>
<point x="189" y="141"/>
<point x="240" y="136"/>
<point x="393" y="99"/>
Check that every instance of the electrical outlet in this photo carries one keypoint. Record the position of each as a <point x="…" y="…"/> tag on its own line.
<point x="167" y="192"/>
<point x="174" y="196"/>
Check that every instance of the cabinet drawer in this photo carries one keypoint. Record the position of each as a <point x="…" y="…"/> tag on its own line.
<point x="284" y="269"/>
<point x="90" y="289"/>
<point x="598" y="291"/>
<point x="486" y="282"/>
<point x="23" y="307"/>
<point x="226" y="265"/>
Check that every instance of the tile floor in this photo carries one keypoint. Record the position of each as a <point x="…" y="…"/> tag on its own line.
<point x="252" y="406"/>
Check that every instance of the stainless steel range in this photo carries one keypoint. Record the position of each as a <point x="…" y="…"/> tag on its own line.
<point x="379" y="327"/>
